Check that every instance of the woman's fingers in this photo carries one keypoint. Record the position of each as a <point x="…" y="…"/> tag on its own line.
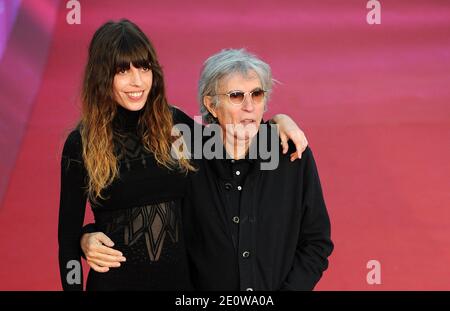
<point x="103" y="264"/>
<point x="105" y="257"/>
<point x="104" y="239"/>
<point x="300" y="141"/>
<point x="284" y="142"/>
<point x="98" y="242"/>
<point x="294" y="156"/>
<point x="105" y="254"/>
<point x="106" y="250"/>
<point x="100" y="256"/>
<point x="97" y="268"/>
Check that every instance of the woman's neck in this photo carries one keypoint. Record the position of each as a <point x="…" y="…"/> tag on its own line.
<point x="126" y="118"/>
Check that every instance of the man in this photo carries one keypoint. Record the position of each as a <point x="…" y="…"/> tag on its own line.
<point x="248" y="227"/>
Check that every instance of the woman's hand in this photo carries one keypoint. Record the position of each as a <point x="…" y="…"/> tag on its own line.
<point x="100" y="255"/>
<point x="289" y="130"/>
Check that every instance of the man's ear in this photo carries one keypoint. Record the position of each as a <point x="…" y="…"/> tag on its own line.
<point x="208" y="102"/>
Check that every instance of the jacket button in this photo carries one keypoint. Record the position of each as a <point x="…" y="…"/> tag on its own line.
<point x="228" y="186"/>
<point x="239" y="188"/>
<point x="236" y="219"/>
<point x="246" y="254"/>
<point x="249" y="289"/>
<point x="238" y="173"/>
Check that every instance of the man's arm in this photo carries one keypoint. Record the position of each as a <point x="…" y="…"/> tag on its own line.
<point x="314" y="243"/>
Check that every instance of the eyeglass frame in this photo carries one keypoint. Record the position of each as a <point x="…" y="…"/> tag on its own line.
<point x="245" y="94"/>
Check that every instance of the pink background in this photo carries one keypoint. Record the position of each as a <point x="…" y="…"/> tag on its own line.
<point x="374" y="101"/>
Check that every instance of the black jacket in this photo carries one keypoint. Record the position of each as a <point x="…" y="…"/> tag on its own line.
<point x="284" y="231"/>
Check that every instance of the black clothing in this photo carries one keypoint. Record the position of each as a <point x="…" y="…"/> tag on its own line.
<point x="140" y="213"/>
<point x="256" y="229"/>
<point x="280" y="239"/>
<point x="233" y="190"/>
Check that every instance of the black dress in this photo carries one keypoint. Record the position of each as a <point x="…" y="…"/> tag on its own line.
<point x="140" y="213"/>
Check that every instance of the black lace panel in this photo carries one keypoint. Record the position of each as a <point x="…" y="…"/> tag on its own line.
<point x="143" y="232"/>
<point x="129" y="148"/>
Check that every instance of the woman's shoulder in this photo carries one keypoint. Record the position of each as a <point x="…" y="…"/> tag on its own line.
<point x="73" y="146"/>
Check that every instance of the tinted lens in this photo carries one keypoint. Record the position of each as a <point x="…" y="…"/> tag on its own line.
<point x="258" y="96"/>
<point x="237" y="97"/>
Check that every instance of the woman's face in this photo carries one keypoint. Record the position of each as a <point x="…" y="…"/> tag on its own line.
<point x="131" y="87"/>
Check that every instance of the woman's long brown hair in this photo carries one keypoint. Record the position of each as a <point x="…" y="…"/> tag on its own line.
<point x="114" y="46"/>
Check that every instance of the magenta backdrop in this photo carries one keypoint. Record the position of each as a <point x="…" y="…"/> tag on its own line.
<point x="374" y="101"/>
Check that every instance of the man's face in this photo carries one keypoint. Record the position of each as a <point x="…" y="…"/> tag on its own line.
<point x="239" y="120"/>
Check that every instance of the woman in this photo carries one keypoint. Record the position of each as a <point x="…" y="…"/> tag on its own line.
<point x="119" y="159"/>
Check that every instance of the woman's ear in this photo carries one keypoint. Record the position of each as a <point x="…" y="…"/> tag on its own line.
<point x="208" y="102"/>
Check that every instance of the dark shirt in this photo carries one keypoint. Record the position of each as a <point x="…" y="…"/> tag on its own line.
<point x="235" y="172"/>
<point x="280" y="238"/>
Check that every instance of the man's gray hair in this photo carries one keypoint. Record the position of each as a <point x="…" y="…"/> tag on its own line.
<point x="224" y="64"/>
